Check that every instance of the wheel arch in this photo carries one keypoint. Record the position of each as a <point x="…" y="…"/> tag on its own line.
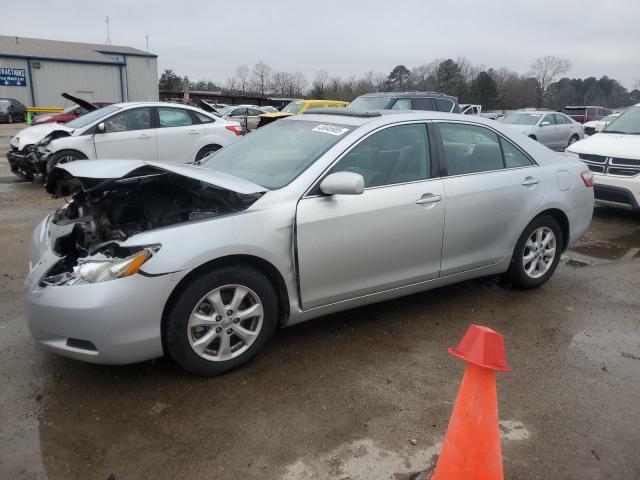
<point x="263" y="266"/>
<point x="562" y="219"/>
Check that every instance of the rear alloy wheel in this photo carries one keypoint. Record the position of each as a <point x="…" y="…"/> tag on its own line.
<point x="574" y="138"/>
<point x="220" y="320"/>
<point x="207" y="150"/>
<point x="537" y="253"/>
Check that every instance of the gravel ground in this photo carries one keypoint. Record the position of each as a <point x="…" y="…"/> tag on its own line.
<point x="364" y="394"/>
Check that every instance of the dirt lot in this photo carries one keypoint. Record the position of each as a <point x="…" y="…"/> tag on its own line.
<point x="343" y="396"/>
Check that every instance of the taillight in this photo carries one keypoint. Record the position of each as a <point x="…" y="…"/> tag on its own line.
<point x="587" y="178"/>
<point x="235" y="129"/>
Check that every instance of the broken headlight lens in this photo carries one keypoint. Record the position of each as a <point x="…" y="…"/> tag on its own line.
<point x="98" y="270"/>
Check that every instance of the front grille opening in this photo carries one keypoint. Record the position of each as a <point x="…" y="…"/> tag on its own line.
<point x="625" y="172"/>
<point x="592" y="158"/>
<point x="81" y="344"/>
<point x="596" y="168"/>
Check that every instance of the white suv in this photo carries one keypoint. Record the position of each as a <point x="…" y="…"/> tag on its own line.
<point x="157" y="131"/>
<point x="613" y="155"/>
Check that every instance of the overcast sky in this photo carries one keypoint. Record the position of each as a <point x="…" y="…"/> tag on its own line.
<point x="209" y="39"/>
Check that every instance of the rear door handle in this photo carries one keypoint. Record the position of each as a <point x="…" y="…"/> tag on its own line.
<point x="530" y="181"/>
<point x="193" y="132"/>
<point x="428" y="198"/>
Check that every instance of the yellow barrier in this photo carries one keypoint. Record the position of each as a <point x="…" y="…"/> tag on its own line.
<point x="32" y="110"/>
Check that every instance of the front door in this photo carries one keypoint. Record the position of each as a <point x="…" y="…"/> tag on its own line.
<point x="548" y="133"/>
<point x="129" y="135"/>
<point x="387" y="237"/>
<point x="490" y="196"/>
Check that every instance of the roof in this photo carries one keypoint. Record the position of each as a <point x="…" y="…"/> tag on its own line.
<point x="41" y="49"/>
<point x="407" y="94"/>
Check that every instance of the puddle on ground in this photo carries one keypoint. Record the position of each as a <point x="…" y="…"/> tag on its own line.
<point x="365" y="459"/>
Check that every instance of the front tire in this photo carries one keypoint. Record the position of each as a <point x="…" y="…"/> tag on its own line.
<point x="537" y="253"/>
<point x="63" y="156"/>
<point x="221" y="320"/>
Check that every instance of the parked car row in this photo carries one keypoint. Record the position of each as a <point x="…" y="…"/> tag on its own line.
<point x="554" y="130"/>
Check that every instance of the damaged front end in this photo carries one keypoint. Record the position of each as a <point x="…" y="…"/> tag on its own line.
<point x="89" y="231"/>
<point x="27" y="157"/>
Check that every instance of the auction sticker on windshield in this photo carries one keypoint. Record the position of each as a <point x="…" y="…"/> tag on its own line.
<point x="330" y="129"/>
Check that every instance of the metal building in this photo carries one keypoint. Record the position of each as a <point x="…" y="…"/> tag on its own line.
<point x="36" y="72"/>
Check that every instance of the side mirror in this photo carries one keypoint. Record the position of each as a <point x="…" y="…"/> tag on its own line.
<point x="100" y="128"/>
<point x="342" y="183"/>
<point x="544" y="124"/>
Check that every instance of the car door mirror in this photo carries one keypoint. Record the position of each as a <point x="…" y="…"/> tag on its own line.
<point x="342" y="183"/>
<point x="545" y="124"/>
<point x="100" y="128"/>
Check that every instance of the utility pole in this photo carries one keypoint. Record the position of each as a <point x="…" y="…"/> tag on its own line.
<point x="108" y="41"/>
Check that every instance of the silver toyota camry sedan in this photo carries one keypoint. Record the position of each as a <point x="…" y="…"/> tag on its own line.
<point x="310" y="215"/>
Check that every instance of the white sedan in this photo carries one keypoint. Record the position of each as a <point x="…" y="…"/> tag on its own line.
<point x="157" y="131"/>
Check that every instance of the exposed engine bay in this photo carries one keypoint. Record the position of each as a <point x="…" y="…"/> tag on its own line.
<point x="103" y="213"/>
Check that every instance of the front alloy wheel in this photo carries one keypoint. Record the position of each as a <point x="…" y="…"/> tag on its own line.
<point x="220" y="319"/>
<point x="225" y="323"/>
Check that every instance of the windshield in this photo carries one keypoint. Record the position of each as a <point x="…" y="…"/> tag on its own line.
<point x="369" y="103"/>
<point x="274" y="155"/>
<point x="628" y="122"/>
<point x="522" y="118"/>
<point x="293" y="107"/>
<point x="4" y="102"/>
<point x="91" y="117"/>
<point x="609" y="118"/>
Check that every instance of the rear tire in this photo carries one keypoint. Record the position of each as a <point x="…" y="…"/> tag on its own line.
<point x="574" y="138"/>
<point x="537" y="253"/>
<point x="206" y="150"/>
<point x="208" y="332"/>
<point x="63" y="156"/>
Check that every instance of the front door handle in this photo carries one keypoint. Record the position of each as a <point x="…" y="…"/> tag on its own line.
<point x="428" y="198"/>
<point x="144" y="137"/>
<point x="530" y="181"/>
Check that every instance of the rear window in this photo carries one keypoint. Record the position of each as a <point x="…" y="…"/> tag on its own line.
<point x="444" y="105"/>
<point x="574" y="111"/>
<point x="369" y="103"/>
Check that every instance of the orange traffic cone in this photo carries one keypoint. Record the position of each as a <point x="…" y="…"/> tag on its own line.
<point x="471" y="448"/>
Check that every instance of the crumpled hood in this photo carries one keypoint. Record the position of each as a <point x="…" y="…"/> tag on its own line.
<point x="35" y="134"/>
<point x="117" y="169"/>
<point x="610" y="145"/>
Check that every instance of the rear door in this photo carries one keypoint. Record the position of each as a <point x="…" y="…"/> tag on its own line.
<point x="564" y="130"/>
<point x="490" y="196"/>
<point x="387" y="237"/>
<point x="180" y="134"/>
<point x="129" y="134"/>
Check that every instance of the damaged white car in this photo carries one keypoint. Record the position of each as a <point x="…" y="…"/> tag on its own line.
<point x="156" y="131"/>
<point x="310" y="215"/>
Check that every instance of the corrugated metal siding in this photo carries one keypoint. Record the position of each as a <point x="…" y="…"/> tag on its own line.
<point x="88" y="81"/>
<point x="142" y="79"/>
<point x="22" y="94"/>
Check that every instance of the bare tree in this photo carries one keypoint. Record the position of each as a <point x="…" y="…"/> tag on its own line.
<point x="242" y="74"/>
<point x="319" y="84"/>
<point x="546" y="70"/>
<point x="231" y="84"/>
<point x="260" y="76"/>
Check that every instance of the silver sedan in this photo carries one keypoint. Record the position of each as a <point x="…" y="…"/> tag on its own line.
<point x="313" y="214"/>
<point x="554" y="130"/>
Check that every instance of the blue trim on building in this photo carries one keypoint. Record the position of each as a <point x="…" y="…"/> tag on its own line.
<point x="149" y="55"/>
<point x="121" y="84"/>
<point x="54" y="59"/>
<point x="33" y="96"/>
